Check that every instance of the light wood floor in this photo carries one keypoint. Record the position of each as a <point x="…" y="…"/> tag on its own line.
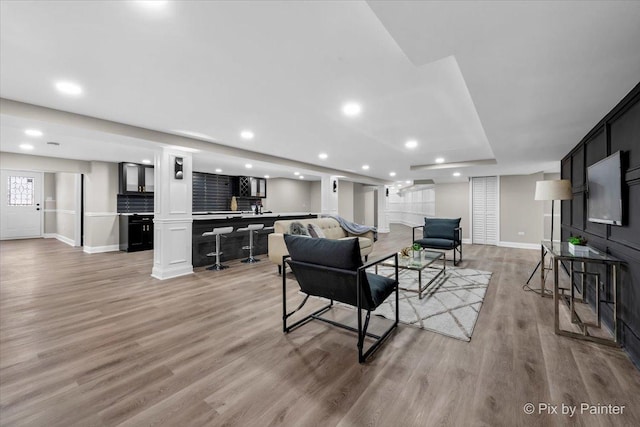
<point x="93" y="340"/>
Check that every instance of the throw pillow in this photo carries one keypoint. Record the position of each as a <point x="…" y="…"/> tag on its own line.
<point x="315" y="231"/>
<point x="311" y="231"/>
<point x="298" y="229"/>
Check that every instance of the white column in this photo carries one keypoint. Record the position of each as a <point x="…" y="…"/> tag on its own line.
<point x="172" y="220"/>
<point x="383" y="221"/>
<point x="329" y="197"/>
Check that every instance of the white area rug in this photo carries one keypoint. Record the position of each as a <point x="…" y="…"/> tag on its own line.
<point x="450" y="306"/>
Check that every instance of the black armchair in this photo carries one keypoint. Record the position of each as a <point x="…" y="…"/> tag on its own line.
<point x="441" y="233"/>
<point x="333" y="269"/>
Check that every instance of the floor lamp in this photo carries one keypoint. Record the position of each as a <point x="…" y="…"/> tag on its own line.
<point x="555" y="189"/>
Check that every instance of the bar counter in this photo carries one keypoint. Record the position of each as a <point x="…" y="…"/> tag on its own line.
<point x="233" y="243"/>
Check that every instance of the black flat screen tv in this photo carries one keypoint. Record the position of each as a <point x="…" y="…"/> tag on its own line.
<point x="604" y="197"/>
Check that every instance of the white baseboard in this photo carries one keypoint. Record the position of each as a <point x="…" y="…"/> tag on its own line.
<point x="100" y="249"/>
<point x="534" y="246"/>
<point x="49" y="235"/>
<point x="171" y="273"/>
<point x="466" y="241"/>
<point x="66" y="240"/>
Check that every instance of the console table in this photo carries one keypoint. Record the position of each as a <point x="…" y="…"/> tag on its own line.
<point x="560" y="252"/>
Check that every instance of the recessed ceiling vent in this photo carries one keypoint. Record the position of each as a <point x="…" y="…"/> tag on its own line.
<point x="53" y="143"/>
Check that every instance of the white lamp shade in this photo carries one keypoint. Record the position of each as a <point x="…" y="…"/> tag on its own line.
<point x="555" y="189"/>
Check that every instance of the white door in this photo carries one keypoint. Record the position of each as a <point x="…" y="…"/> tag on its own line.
<point x="21" y="204"/>
<point x="484" y="206"/>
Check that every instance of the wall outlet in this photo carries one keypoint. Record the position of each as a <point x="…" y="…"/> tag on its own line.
<point x="520" y="233"/>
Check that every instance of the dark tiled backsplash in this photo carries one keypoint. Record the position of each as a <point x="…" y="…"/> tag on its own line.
<point x="210" y="193"/>
<point x="129" y="203"/>
<point x="213" y="193"/>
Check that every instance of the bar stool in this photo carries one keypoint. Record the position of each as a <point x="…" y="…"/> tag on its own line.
<point x="252" y="229"/>
<point x="217" y="232"/>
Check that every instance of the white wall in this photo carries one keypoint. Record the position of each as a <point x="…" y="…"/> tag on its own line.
<point x="288" y="195"/>
<point x="411" y="207"/>
<point x="363" y="204"/>
<point x="521" y="217"/>
<point x="49" y="188"/>
<point x="452" y="201"/>
<point x="345" y="200"/>
<point x="101" y="222"/>
<point x="67" y="209"/>
<point x="315" y="196"/>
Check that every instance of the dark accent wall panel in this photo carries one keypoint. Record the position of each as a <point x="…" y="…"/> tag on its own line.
<point x="618" y="131"/>
<point x="595" y="150"/>
<point x="625" y="133"/>
<point x="577" y="211"/>
<point x="577" y="169"/>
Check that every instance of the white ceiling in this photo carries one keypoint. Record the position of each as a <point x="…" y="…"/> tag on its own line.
<point x="521" y="82"/>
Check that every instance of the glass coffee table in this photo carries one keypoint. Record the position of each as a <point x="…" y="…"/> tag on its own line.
<point x="426" y="260"/>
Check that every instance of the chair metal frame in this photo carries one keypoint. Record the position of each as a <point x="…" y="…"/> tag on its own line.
<point x="456" y="248"/>
<point x="362" y="326"/>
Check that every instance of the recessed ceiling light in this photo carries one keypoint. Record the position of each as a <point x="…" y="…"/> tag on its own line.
<point x="408" y="182"/>
<point x="296" y="173"/>
<point x="365" y="167"/>
<point x="392" y="174"/>
<point x="412" y="143"/>
<point x="351" y="109"/>
<point x="246" y="134"/>
<point x="456" y="174"/>
<point x="248" y="166"/>
<point x="218" y="170"/>
<point x="301" y="177"/>
<point x="439" y="160"/>
<point x="266" y="176"/>
<point x="26" y="146"/>
<point x="152" y="4"/>
<point x="146" y="161"/>
<point x="68" y="88"/>
<point x="33" y="132"/>
<point x="323" y="156"/>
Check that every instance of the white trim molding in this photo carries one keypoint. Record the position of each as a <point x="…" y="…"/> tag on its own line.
<point x="518" y="245"/>
<point x="49" y="235"/>
<point x="67" y="240"/>
<point x="100" y="214"/>
<point x="100" y="249"/>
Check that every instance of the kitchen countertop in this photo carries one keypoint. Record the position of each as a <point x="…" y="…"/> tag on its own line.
<point x="229" y="214"/>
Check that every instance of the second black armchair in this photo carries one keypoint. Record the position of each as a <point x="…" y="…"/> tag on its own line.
<point x="441" y="233"/>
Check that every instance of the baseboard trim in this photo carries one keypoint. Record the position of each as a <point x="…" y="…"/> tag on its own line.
<point x="517" y="245"/>
<point x="100" y="249"/>
<point x="171" y="273"/>
<point x="49" y="235"/>
<point x="66" y="240"/>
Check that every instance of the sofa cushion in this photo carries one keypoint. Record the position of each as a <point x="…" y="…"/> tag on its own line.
<point x="343" y="254"/>
<point x="364" y="242"/>
<point x="436" y="243"/>
<point x="440" y="228"/>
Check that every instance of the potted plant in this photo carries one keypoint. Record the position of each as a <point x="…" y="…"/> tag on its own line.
<point x="416" y="250"/>
<point x="577" y="245"/>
